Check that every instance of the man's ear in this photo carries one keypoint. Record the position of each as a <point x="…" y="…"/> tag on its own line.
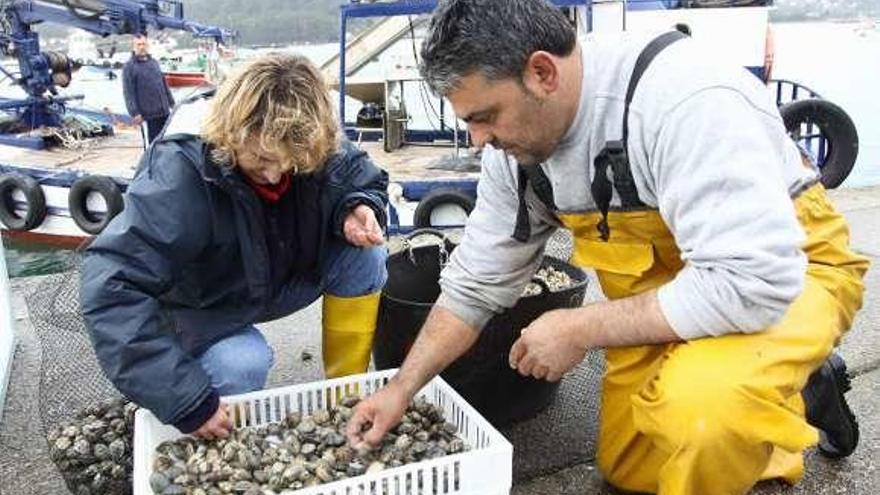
<point x="541" y="74"/>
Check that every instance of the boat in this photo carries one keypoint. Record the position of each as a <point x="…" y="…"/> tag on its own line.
<point x="389" y="113"/>
<point x="180" y="79"/>
<point x="204" y="65"/>
<point x="64" y="167"/>
<point x="378" y="68"/>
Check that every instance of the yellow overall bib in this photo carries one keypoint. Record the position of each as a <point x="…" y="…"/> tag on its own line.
<point x="715" y="415"/>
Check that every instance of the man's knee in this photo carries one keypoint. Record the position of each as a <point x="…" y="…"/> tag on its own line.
<point x="697" y="417"/>
<point x="696" y="414"/>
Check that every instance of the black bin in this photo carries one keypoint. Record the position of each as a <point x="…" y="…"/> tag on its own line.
<point x="482" y="376"/>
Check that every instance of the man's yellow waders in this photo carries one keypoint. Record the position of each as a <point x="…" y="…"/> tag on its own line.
<point x="715" y="415"/>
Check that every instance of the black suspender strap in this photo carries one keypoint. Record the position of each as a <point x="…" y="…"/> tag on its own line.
<point x="614" y="155"/>
<point x="645" y="58"/>
<point x="541" y="185"/>
<point x="523" y="230"/>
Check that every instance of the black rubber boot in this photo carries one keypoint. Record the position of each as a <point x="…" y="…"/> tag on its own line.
<point x="827" y="410"/>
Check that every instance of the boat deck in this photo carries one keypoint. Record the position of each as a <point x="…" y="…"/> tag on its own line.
<point x="115" y="156"/>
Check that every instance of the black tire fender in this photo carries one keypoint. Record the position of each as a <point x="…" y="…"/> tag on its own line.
<point x="837" y="128"/>
<point x="91" y="222"/>
<point x="34" y="197"/>
<point x="437" y="197"/>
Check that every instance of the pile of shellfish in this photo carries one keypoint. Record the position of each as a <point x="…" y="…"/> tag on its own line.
<point x="93" y="452"/>
<point x="555" y="280"/>
<point x="300" y="451"/>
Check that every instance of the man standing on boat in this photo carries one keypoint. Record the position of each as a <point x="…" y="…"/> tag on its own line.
<point x="265" y="212"/>
<point x="147" y="96"/>
<point x="728" y="271"/>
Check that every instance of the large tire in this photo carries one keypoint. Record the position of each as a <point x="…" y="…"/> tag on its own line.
<point x="34" y="197"/>
<point x="838" y="130"/>
<point x="92" y="222"/>
<point x="438" y="197"/>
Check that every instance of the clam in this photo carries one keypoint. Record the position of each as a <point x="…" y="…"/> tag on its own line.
<point x="302" y="450"/>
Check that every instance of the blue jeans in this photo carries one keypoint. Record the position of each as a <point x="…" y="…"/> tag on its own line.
<point x="240" y="363"/>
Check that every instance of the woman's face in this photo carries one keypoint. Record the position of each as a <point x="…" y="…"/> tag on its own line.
<point x="258" y="164"/>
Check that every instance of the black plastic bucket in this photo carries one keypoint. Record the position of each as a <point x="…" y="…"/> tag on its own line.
<point x="482" y="376"/>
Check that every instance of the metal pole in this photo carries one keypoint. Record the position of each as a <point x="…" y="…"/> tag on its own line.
<point x="455" y="137"/>
<point x="343" y="26"/>
<point x="7" y="337"/>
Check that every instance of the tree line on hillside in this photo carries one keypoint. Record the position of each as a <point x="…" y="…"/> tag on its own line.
<point x="296" y="21"/>
<point x="811" y="10"/>
<point x="261" y="22"/>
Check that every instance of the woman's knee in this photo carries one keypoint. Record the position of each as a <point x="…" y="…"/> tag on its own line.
<point x="239" y="363"/>
<point x="356" y="271"/>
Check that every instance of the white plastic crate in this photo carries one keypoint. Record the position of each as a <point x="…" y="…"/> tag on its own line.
<point x="486" y="469"/>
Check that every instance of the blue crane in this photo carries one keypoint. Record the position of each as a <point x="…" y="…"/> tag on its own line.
<point x="41" y="73"/>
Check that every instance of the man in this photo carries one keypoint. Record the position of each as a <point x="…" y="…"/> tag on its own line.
<point x="727" y="270"/>
<point x="147" y="96"/>
<point x="253" y="220"/>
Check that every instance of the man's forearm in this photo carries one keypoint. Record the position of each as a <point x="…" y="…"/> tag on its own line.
<point x="635" y="320"/>
<point x="443" y="338"/>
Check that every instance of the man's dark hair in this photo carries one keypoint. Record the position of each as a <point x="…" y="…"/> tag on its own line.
<point x="492" y="37"/>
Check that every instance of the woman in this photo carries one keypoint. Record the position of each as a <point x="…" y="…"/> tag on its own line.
<point x="264" y="212"/>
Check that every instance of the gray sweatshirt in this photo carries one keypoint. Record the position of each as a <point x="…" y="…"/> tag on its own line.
<point x="707" y="148"/>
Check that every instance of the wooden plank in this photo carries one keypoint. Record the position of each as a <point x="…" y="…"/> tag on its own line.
<point x="414" y="162"/>
<point x="368" y="45"/>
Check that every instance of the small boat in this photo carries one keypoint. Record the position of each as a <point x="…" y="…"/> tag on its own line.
<point x="179" y="79"/>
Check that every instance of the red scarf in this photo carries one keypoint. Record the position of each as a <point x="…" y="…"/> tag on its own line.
<point x="270" y="192"/>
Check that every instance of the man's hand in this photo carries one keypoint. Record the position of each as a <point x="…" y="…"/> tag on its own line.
<point x="549" y="347"/>
<point x="137" y="120"/>
<point x="361" y="227"/>
<point x="218" y="426"/>
<point x="443" y="338"/>
<point x="376" y="415"/>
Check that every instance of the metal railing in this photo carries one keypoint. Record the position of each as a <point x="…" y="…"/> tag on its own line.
<point x="808" y="136"/>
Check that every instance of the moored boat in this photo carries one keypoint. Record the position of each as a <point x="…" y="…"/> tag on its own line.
<point x="177" y="79"/>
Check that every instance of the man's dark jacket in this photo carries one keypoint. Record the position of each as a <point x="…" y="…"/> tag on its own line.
<point x="186" y="263"/>
<point x="144" y="87"/>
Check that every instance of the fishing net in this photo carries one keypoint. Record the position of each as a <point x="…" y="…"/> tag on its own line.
<point x="87" y="423"/>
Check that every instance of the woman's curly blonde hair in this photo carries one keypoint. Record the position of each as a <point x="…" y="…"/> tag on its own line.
<point x="281" y="100"/>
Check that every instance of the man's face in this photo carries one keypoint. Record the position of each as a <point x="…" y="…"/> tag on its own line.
<point x="141" y="46"/>
<point x="506" y="115"/>
<point x="258" y="164"/>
